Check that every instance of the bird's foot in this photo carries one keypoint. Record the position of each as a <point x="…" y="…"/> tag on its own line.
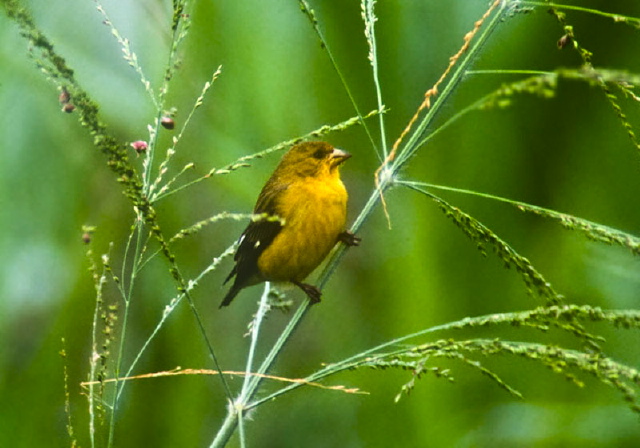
<point x="349" y="238"/>
<point x="312" y="292"/>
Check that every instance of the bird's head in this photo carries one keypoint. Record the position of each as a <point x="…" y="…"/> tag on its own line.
<point x="312" y="159"/>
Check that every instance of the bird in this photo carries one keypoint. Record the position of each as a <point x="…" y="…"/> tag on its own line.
<point x="305" y="204"/>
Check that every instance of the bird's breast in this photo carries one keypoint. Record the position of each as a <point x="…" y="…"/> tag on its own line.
<point x="314" y="214"/>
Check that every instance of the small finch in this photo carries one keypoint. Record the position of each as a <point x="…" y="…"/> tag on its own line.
<point x="307" y="196"/>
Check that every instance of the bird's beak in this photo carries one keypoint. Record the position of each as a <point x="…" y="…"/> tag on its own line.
<point x="338" y="156"/>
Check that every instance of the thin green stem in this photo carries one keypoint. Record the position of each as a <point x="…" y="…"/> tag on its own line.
<point x="127" y="293"/>
<point x="411" y="145"/>
<point x="243" y="162"/>
<point x="175" y="302"/>
<point x="162" y="96"/>
<point x="353" y="361"/>
<point x="243" y="441"/>
<point x="125" y="258"/>
<point x="452" y="120"/>
<point x="508" y="72"/>
<point x="99" y="284"/>
<point x="129" y="56"/>
<point x="306" y="9"/>
<point x="532" y="85"/>
<point x="592" y="230"/>
<point x="369" y="17"/>
<point x="179" y="28"/>
<point x="615" y="17"/>
<point x="473" y="193"/>
<point x="277" y="348"/>
<point x="227" y="429"/>
<point x="117" y="384"/>
<point x="137" y="255"/>
<point x="207" y="341"/>
<point x="540" y="318"/>
<point x="255" y="331"/>
<point x="147" y="166"/>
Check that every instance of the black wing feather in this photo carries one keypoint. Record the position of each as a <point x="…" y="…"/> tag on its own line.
<point x="254" y="240"/>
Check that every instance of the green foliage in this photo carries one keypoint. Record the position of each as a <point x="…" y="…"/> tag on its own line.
<point x="482" y="236"/>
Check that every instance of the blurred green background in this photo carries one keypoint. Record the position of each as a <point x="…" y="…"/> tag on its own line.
<point x="569" y="153"/>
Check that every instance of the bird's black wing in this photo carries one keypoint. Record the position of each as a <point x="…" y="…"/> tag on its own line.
<point x="254" y="240"/>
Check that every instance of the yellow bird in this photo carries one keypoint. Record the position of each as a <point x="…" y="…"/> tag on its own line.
<point x="307" y="196"/>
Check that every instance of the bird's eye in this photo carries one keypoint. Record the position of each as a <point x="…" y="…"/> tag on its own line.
<point x="320" y="154"/>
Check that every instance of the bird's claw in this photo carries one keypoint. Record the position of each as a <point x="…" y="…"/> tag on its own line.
<point x="312" y="292"/>
<point x="349" y="239"/>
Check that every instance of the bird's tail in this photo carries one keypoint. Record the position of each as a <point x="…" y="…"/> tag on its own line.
<point x="233" y="292"/>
